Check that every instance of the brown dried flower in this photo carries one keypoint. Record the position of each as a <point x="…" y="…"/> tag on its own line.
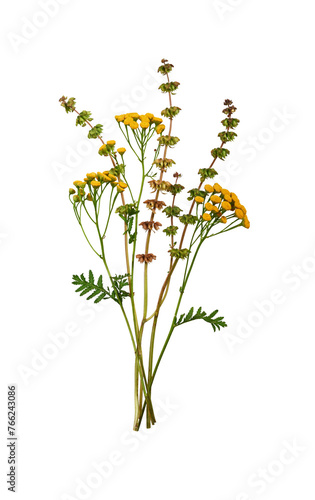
<point x="154" y="204"/>
<point x="150" y="225"/>
<point x="145" y="257"/>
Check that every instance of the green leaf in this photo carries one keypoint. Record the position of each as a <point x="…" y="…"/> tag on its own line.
<point x="216" y="322"/>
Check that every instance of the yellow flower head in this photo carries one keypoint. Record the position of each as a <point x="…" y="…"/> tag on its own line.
<point x="128" y="120"/>
<point x="101" y="176"/>
<point x="246" y="222"/>
<point x="217" y="187"/>
<point x="120" y="189"/>
<point x="223" y="219"/>
<point x="150" y="116"/>
<point x="86" y="179"/>
<point x="239" y="213"/>
<point x="215" y="198"/>
<point x="79" y="184"/>
<point x="112" y="177"/>
<point x="95" y="184"/>
<point x="106" y="178"/>
<point x="159" y="129"/>
<point x="144" y="124"/>
<point x="91" y="176"/>
<point x="211" y="208"/>
<point x="111" y="143"/>
<point x="135" y="116"/>
<point x="134" y="125"/>
<point x="209" y="188"/>
<point x="226" y="205"/>
<point x="120" y="118"/>
<point x="206" y="217"/>
<point x="156" y="120"/>
<point x="228" y="198"/>
<point x="225" y="191"/>
<point x="121" y="151"/>
<point x="234" y="197"/>
<point x="89" y="197"/>
<point x="243" y="208"/>
<point x="199" y="199"/>
<point x="123" y="185"/>
<point x="71" y="191"/>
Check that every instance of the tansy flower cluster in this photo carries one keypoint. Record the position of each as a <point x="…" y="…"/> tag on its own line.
<point x="145" y="121"/>
<point x="221" y="204"/>
<point x="93" y="181"/>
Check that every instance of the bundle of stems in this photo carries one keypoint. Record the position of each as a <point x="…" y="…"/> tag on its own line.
<point x="213" y="211"/>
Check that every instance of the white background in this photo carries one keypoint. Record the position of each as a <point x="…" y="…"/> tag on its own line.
<point x="238" y="399"/>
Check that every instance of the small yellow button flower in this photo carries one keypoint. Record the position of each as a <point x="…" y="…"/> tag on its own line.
<point x="79" y="184"/>
<point x="122" y="184"/>
<point x="134" y="125"/>
<point x="211" y="208"/>
<point x="89" y="197"/>
<point x="217" y="187"/>
<point x="223" y="219"/>
<point x="228" y="198"/>
<point x="199" y="199"/>
<point x="121" y="151"/>
<point x="145" y="124"/>
<point x="226" y="205"/>
<point x="215" y="198"/>
<point x="111" y="143"/>
<point x="209" y="188"/>
<point x="246" y="222"/>
<point x="234" y="197"/>
<point x="225" y="191"/>
<point x="156" y="120"/>
<point x="128" y="120"/>
<point x="95" y="184"/>
<point x="112" y="177"/>
<point x="106" y="178"/>
<point x="149" y="115"/>
<point x="239" y="213"/>
<point x="206" y="217"/>
<point x="91" y="176"/>
<point x="159" y="129"/>
<point x="120" y="118"/>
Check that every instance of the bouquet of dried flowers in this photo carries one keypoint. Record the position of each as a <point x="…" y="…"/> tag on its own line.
<point x="213" y="210"/>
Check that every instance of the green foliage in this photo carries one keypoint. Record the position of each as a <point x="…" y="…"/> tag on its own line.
<point x="207" y="173"/>
<point x="230" y="122"/>
<point x="179" y="253"/>
<point x="175" y="189"/>
<point x="170" y="112"/>
<point x="216" y="323"/>
<point x="83" y="117"/>
<point x="166" y="68"/>
<point x="221" y="153"/>
<point x="168" y="140"/>
<point x="94" y="132"/>
<point x="68" y="104"/>
<point x="127" y="213"/>
<point x="172" y="211"/>
<point x="188" y="219"/>
<point x="196" y="192"/>
<point x="227" y="136"/>
<point x="97" y="290"/>
<point x="169" y="87"/>
<point x="170" y="230"/>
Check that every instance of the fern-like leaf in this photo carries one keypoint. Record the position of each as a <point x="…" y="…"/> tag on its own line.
<point x="97" y="291"/>
<point x="216" y="322"/>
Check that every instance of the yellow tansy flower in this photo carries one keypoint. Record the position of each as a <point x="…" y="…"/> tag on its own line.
<point x="89" y="197"/>
<point x="217" y="187"/>
<point x="95" y="184"/>
<point x="209" y="188"/>
<point x="79" y="184"/>
<point x="246" y="222"/>
<point x="156" y="120"/>
<point x="145" y="124"/>
<point x="120" y="118"/>
<point x="206" y="217"/>
<point x="234" y="197"/>
<point x="239" y="213"/>
<point x="122" y="184"/>
<point x="112" y="177"/>
<point x="226" y="205"/>
<point x="225" y="191"/>
<point x="215" y="198"/>
<point x="121" y="151"/>
<point x="223" y="219"/>
<point x="134" y="125"/>
<point x="149" y="115"/>
<point x="199" y="199"/>
<point x="106" y="178"/>
<point x="111" y="143"/>
<point x="228" y="198"/>
<point x="211" y="208"/>
<point x="128" y="120"/>
<point x="91" y="176"/>
<point x="159" y="129"/>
